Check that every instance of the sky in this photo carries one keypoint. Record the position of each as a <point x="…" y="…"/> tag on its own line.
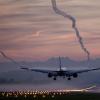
<point x="31" y="30"/>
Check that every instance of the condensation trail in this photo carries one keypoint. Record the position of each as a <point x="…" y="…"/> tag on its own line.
<point x="12" y="60"/>
<point x="6" y="57"/>
<point x="58" y="11"/>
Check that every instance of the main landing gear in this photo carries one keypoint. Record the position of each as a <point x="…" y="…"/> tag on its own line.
<point x="54" y="78"/>
<point x="69" y="78"/>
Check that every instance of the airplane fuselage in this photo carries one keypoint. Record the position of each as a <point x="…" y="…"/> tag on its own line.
<point x="61" y="73"/>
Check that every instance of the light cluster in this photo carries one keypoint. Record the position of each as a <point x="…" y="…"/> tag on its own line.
<point x="37" y="93"/>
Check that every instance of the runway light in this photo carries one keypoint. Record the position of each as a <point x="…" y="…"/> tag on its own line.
<point x="53" y="96"/>
<point x="25" y="96"/>
<point x="7" y="95"/>
<point x="34" y="96"/>
<point x="43" y="96"/>
<point x="16" y="96"/>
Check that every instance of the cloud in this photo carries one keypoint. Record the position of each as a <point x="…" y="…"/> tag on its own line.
<point x="31" y="25"/>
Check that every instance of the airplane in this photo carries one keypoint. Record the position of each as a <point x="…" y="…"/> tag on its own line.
<point x="61" y="72"/>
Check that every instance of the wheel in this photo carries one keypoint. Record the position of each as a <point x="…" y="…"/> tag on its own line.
<point x="54" y="78"/>
<point x="69" y="78"/>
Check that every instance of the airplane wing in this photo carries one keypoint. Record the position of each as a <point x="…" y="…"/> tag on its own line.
<point x="67" y="72"/>
<point x="38" y="70"/>
<point x="85" y="70"/>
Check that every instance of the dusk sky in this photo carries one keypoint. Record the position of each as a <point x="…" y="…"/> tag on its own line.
<point x="31" y="30"/>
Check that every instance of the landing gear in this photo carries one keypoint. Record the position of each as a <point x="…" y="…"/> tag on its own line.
<point x="49" y="75"/>
<point x="54" y="78"/>
<point x="69" y="78"/>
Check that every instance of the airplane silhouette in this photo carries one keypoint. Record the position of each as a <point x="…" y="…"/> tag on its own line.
<point x="61" y="72"/>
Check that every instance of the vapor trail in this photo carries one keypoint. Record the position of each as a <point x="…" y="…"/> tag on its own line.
<point x="12" y="60"/>
<point x="58" y="11"/>
<point x="6" y="57"/>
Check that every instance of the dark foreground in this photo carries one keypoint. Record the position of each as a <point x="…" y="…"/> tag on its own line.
<point x="49" y="96"/>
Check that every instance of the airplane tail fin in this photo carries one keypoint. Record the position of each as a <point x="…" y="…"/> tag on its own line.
<point x="60" y="63"/>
